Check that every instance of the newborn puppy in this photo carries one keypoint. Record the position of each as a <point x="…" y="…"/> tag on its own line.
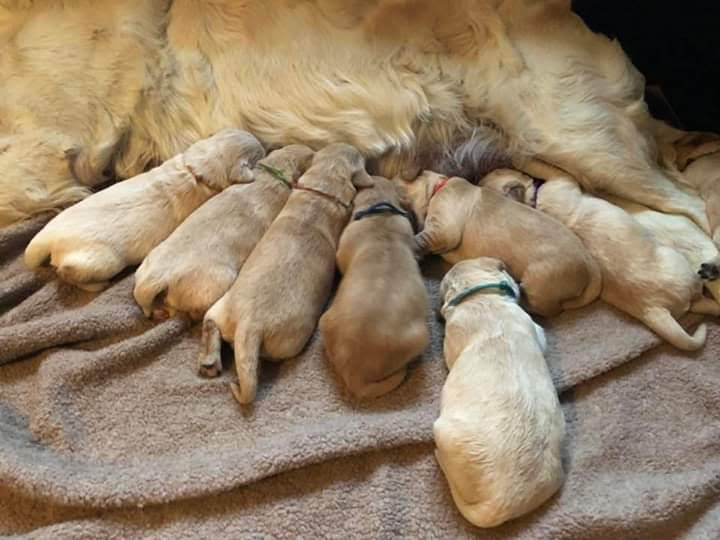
<point x="463" y="221"/>
<point x="199" y="261"/>
<point x="377" y="321"/>
<point x="684" y="236"/>
<point x="276" y="301"/>
<point x="702" y="171"/>
<point x="651" y="282"/>
<point x="95" y="239"/>
<point x="501" y="428"/>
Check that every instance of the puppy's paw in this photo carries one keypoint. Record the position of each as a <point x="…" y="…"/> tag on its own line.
<point x="209" y="367"/>
<point x="709" y="271"/>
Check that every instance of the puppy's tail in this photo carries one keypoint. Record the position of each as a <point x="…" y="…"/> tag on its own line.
<point x="661" y="321"/>
<point x="247" y="359"/>
<point x="591" y="292"/>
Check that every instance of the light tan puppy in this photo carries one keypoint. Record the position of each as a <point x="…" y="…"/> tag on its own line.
<point x="377" y="322"/>
<point x="276" y="301"/>
<point x="462" y="221"/>
<point x="501" y="428"/>
<point x="91" y="242"/>
<point x="198" y="262"/>
<point x="701" y="169"/>
<point x="649" y="281"/>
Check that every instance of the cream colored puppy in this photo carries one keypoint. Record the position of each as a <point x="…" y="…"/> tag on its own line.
<point x="198" y="262"/>
<point x="684" y="236"/>
<point x="501" y="428"/>
<point x="377" y="322"/>
<point x="462" y="221"/>
<point x="702" y="171"/>
<point x="91" y="242"/>
<point x="649" y="281"/>
<point x="276" y="301"/>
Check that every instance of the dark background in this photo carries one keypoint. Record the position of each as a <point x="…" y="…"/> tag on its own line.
<point x="676" y="45"/>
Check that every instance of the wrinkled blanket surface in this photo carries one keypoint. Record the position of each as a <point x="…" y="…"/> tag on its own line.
<point x="106" y="430"/>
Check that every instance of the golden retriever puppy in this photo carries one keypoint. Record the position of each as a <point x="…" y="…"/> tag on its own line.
<point x="91" y="242"/>
<point x="684" y="236"/>
<point x="703" y="173"/>
<point x="377" y="321"/>
<point x="191" y="269"/>
<point x="462" y="221"/>
<point x="649" y="281"/>
<point x="501" y="428"/>
<point x="276" y="300"/>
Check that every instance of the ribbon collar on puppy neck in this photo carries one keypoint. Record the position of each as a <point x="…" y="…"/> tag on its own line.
<point x="537" y="184"/>
<point x="502" y="287"/>
<point x="382" y="207"/>
<point x="276" y="173"/>
<point x="439" y="185"/>
<point x="332" y="198"/>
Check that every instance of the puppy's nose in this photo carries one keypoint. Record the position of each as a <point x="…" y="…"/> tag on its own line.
<point x="709" y="271"/>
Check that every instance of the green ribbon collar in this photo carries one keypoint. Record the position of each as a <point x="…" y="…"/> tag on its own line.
<point x="276" y="173"/>
<point x="503" y="287"/>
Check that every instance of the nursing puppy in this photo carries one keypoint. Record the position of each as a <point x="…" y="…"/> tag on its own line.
<point x="462" y="221"/>
<point x="649" y="281"/>
<point x="684" y="236"/>
<point x="377" y="321"/>
<point x="198" y="262"/>
<point x="702" y="171"/>
<point x="274" y="305"/>
<point x="501" y="428"/>
<point x="91" y="242"/>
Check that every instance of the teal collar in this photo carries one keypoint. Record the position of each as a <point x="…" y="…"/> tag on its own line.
<point x="503" y="287"/>
<point x="275" y="173"/>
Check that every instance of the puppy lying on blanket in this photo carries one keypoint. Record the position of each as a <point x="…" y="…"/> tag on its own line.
<point x="377" y="322"/>
<point x="276" y="301"/>
<point x="462" y="221"/>
<point x="701" y="169"/>
<point x="200" y="260"/>
<point x="646" y="280"/>
<point x="91" y="242"/>
<point x="684" y="236"/>
<point x="501" y="427"/>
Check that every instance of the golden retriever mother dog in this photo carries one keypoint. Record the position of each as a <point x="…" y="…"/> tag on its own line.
<point x="96" y="90"/>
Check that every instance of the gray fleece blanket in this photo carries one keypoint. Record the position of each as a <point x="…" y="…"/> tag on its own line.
<point x="107" y="431"/>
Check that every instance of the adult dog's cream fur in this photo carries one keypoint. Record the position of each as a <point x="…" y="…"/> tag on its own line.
<point x="462" y="221"/>
<point x="118" y="226"/>
<point x="91" y="89"/>
<point x="191" y="269"/>
<point x="641" y="277"/>
<point x="378" y="320"/>
<point x="276" y="301"/>
<point x="501" y="428"/>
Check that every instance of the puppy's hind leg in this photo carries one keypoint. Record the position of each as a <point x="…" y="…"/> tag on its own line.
<point x="705" y="306"/>
<point x="210" y="360"/>
<point x="90" y="268"/>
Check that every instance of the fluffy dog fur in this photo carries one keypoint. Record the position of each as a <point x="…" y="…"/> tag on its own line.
<point x="641" y="277"/>
<point x="414" y="81"/>
<point x="377" y="321"/>
<point x="462" y="221"/>
<point x="276" y="301"/>
<point x="501" y="428"/>
<point x="199" y="261"/>
<point x="117" y="227"/>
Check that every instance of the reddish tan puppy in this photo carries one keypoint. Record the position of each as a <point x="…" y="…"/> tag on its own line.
<point x="462" y="221"/>
<point x="276" y="301"/>
<point x="377" y="322"/>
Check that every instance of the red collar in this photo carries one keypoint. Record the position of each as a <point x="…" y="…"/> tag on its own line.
<point x="439" y="185"/>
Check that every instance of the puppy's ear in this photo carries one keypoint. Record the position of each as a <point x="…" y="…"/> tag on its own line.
<point x="515" y="191"/>
<point x="361" y="179"/>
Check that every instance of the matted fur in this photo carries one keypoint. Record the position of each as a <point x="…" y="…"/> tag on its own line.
<point x="94" y="89"/>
